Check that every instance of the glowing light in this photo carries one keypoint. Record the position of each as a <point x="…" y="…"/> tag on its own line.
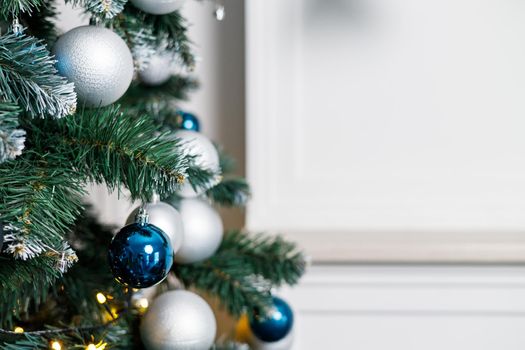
<point x="101" y="298"/>
<point x="148" y="249"/>
<point x="142" y="305"/>
<point x="110" y="314"/>
<point x="19" y="330"/>
<point x="100" y="346"/>
<point x="55" y="345"/>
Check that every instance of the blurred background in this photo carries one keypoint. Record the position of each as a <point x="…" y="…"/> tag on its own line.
<point x="386" y="138"/>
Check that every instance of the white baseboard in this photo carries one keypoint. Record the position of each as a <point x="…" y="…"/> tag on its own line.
<point x="410" y="307"/>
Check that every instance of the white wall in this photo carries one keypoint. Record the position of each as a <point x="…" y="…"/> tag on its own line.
<point x="395" y="122"/>
<point x="385" y="136"/>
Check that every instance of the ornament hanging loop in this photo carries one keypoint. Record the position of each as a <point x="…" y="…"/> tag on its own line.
<point x="16" y="27"/>
<point x="220" y="10"/>
<point x="142" y="217"/>
<point x="155" y="198"/>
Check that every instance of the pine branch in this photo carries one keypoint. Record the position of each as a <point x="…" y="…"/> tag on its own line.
<point x="13" y="8"/>
<point x="271" y="257"/>
<point x="41" y="24"/>
<point x="92" y="274"/>
<point x="42" y="190"/>
<point x="100" y="8"/>
<point x="9" y="113"/>
<point x="226" y="162"/>
<point x="23" y="284"/>
<point x="67" y="310"/>
<point x="157" y="101"/>
<point x="116" y="336"/>
<point x="231" y="282"/>
<point x="40" y="199"/>
<point x="244" y="269"/>
<point x="28" y="77"/>
<point x="230" y="192"/>
<point x="171" y="29"/>
<point x="106" y="145"/>
<point x="168" y="31"/>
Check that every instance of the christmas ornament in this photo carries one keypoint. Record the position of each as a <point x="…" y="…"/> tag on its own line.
<point x="202" y="231"/>
<point x="219" y="12"/>
<point x="140" y="255"/>
<point x="283" y="344"/>
<point x="158" y="7"/>
<point x="178" y="320"/>
<point x="187" y="121"/>
<point x="142" y="298"/>
<point x="242" y="329"/>
<point x="97" y="61"/>
<point x="158" y="70"/>
<point x="165" y="217"/>
<point x="206" y="157"/>
<point x="275" y="324"/>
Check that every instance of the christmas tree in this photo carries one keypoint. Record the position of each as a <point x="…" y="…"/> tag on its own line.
<point x="98" y="104"/>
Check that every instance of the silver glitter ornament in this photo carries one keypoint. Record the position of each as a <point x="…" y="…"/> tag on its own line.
<point x="97" y="61"/>
<point x="165" y="217"/>
<point x="178" y="320"/>
<point x="158" y="70"/>
<point x="206" y="157"/>
<point x="158" y="7"/>
<point x="203" y="231"/>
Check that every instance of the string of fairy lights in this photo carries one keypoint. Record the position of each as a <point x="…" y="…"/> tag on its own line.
<point x="140" y="305"/>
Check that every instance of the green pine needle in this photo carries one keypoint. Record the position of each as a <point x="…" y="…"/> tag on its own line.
<point x="28" y="77"/>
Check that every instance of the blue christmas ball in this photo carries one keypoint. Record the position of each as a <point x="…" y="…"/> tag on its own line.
<point x="275" y="324"/>
<point x="187" y="121"/>
<point x="140" y="255"/>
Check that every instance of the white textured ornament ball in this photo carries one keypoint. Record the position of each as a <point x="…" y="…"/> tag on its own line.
<point x="158" y="70"/>
<point x="158" y="7"/>
<point x="206" y="157"/>
<point x="178" y="320"/>
<point x="165" y="217"/>
<point x="97" y="61"/>
<point x="203" y="231"/>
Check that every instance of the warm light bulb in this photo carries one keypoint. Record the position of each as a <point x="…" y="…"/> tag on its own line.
<point x="19" y="330"/>
<point x="142" y="304"/>
<point x="55" y="345"/>
<point x="101" y="298"/>
<point x="100" y="346"/>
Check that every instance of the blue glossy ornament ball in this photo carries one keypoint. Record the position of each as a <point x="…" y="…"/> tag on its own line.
<point x="187" y="121"/>
<point x="140" y="255"/>
<point x="275" y="324"/>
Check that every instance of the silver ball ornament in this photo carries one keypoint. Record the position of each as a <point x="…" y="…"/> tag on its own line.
<point x="206" y="157"/>
<point x="97" y="61"/>
<point x="178" y="320"/>
<point x="158" y="70"/>
<point x="158" y="7"/>
<point x="203" y="231"/>
<point x="165" y="217"/>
